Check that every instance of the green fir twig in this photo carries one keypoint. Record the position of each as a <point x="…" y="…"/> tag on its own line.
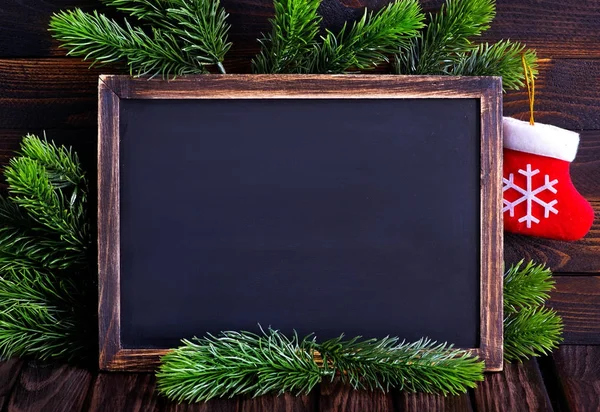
<point x="500" y="59"/>
<point x="293" y="38"/>
<point x="386" y="364"/>
<point x="243" y="363"/>
<point x="366" y="43"/>
<point x="294" y="47"/>
<point x="238" y="363"/>
<point x="44" y="254"/>
<point x="531" y="332"/>
<point x="530" y="328"/>
<point x="448" y="33"/>
<point x="180" y="36"/>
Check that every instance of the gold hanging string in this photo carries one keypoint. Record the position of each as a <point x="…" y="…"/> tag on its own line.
<point x="530" y="81"/>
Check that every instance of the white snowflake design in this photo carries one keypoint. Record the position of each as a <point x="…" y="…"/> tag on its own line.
<point x="529" y="195"/>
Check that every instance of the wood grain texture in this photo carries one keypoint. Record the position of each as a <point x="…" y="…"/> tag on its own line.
<point x="9" y="371"/>
<point x="578" y="372"/>
<point x="282" y="403"/>
<point x="577" y="300"/>
<point x="519" y="388"/>
<point x="124" y="392"/>
<point x="50" y="388"/>
<point x="214" y="405"/>
<point x="566" y="95"/>
<point x="491" y="243"/>
<point x="109" y="320"/>
<point x="336" y="397"/>
<point x="48" y="94"/>
<point x="417" y="402"/>
<point x="60" y="93"/>
<point x="555" y="28"/>
<point x="309" y="86"/>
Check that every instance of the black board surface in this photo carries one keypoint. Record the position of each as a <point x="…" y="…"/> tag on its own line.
<point x="354" y="216"/>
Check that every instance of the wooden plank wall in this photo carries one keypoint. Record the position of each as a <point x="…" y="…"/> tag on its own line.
<point x="41" y="89"/>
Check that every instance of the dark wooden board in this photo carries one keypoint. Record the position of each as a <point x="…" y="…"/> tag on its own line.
<point x="275" y="403"/>
<point x="58" y="93"/>
<point x="9" y="371"/>
<point x="556" y="28"/>
<point x="124" y="392"/>
<point x="519" y="387"/>
<point x="578" y="372"/>
<point x="50" y="388"/>
<point x="565" y="95"/>
<point x="417" y="402"/>
<point x="577" y="300"/>
<point x="336" y="397"/>
<point x="569" y="382"/>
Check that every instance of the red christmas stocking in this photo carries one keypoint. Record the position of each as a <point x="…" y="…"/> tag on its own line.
<point x="539" y="197"/>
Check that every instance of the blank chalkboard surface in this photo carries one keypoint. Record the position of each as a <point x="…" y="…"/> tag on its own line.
<point x="328" y="215"/>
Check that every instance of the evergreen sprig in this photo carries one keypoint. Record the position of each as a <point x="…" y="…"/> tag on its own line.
<point x="499" y="59"/>
<point x="238" y="363"/>
<point x="367" y="42"/>
<point x="243" y="363"/>
<point x="385" y="364"/>
<point x="294" y="47"/>
<point x="36" y="316"/>
<point x="293" y="38"/>
<point x="530" y="328"/>
<point x="180" y="37"/>
<point x="448" y="33"/>
<point x="44" y="247"/>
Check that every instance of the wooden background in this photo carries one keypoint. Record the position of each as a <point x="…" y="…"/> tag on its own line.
<point x="41" y="89"/>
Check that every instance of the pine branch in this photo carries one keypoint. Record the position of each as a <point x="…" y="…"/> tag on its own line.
<point x="61" y="164"/>
<point x="530" y="328"/>
<point x="531" y="332"/>
<point x="43" y="226"/>
<point x="448" y="34"/>
<point x="386" y="364"/>
<point x="50" y="195"/>
<point x="236" y="363"/>
<point x="294" y="30"/>
<point x="187" y="36"/>
<point x="499" y="59"/>
<point x="36" y="316"/>
<point x="24" y="244"/>
<point x="526" y="287"/>
<point x="199" y="25"/>
<point x="369" y="41"/>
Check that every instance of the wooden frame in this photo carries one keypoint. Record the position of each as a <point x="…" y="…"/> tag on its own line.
<point x="114" y="88"/>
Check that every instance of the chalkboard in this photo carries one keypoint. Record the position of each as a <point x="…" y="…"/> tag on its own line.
<point x="355" y="205"/>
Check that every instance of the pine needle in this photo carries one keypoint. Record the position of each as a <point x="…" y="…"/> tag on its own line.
<point x="293" y="46"/>
<point x="44" y="241"/>
<point x="182" y="36"/>
<point x="448" y="34"/>
<point x="531" y="332"/>
<point x="500" y="59"/>
<point x="236" y="363"/>
<point x="530" y="328"/>
<point x="386" y="364"/>
<point x="293" y="37"/>
<point x="368" y="42"/>
<point x="526" y="287"/>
